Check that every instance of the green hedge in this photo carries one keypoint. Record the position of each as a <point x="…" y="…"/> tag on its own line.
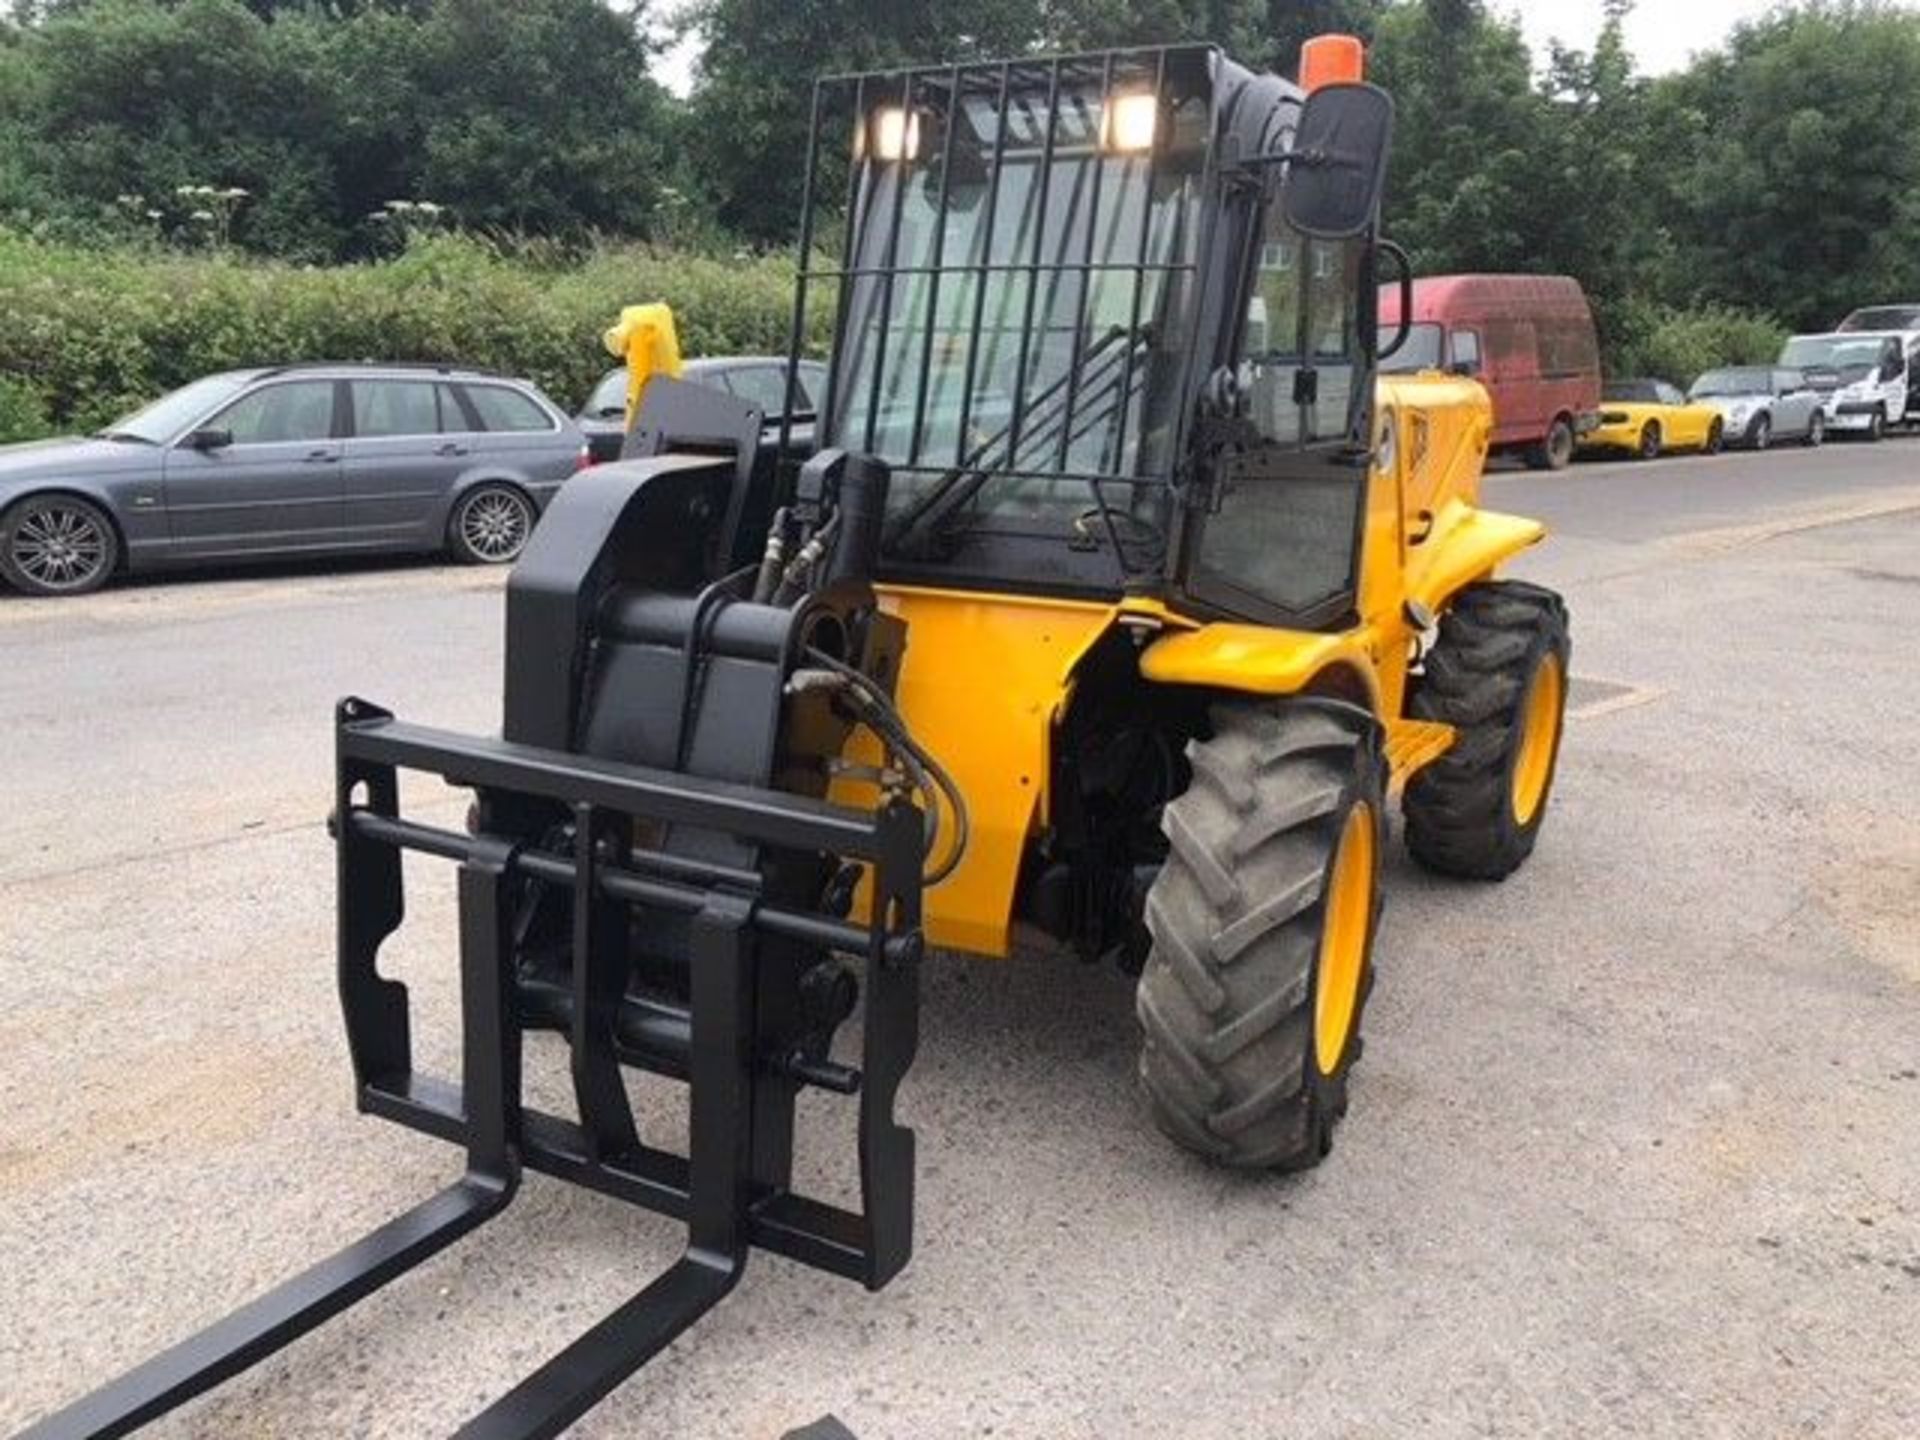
<point x="86" y="335"/>
<point x="1679" y="345"/>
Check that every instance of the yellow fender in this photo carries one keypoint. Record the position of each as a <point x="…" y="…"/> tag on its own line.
<point x="646" y="338"/>
<point x="1260" y="660"/>
<point x="1466" y="544"/>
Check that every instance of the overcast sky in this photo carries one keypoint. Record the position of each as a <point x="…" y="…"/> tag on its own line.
<point x="1661" y="33"/>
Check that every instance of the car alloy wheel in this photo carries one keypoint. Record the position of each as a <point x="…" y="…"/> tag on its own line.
<point x="494" y="525"/>
<point x="60" y="546"/>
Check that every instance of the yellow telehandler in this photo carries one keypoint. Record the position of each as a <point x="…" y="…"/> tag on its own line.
<point x="1107" y="602"/>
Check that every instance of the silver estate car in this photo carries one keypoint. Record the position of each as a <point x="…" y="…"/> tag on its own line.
<point x="289" y="461"/>
<point x="1760" y="404"/>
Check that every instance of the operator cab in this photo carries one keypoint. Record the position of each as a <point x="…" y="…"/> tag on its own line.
<point x="1080" y="318"/>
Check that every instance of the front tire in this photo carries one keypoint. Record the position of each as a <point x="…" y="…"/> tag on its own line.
<point x="1817" y="430"/>
<point x="1716" y="438"/>
<point x="1649" y="448"/>
<point x="1877" y="427"/>
<point x="1262" y="922"/>
<point x="57" y="545"/>
<point x="1498" y="675"/>
<point x="490" y="525"/>
<point x="1760" y="432"/>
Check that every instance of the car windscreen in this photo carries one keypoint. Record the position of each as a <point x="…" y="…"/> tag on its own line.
<point x="166" y="417"/>
<point x="1884" y="317"/>
<point x="1750" y="380"/>
<point x="1851" y="357"/>
<point x="1624" y="392"/>
<point x="1420" y="352"/>
<point x="609" y="397"/>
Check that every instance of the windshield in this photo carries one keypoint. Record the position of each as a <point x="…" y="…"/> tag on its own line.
<point x="168" y="416"/>
<point x="609" y="397"/>
<point x="1749" y="381"/>
<point x="1884" y="317"/>
<point x="1421" y="352"/>
<point x="1854" y="357"/>
<point x="1625" y="392"/>
<point x="1014" y="333"/>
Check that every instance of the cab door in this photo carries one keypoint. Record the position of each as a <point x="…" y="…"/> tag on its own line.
<point x="1280" y="541"/>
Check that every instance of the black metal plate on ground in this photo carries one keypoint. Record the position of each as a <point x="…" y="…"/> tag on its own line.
<point x="825" y="1428"/>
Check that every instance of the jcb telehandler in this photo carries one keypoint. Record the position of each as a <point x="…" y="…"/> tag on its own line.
<point x="1115" y="601"/>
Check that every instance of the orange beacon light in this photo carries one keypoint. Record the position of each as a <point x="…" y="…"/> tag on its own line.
<point x="1332" y="60"/>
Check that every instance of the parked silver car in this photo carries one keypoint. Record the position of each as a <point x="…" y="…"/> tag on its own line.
<point x="292" y="460"/>
<point x="1764" y="403"/>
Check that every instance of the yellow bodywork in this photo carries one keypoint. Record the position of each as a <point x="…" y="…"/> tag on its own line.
<point x="988" y="677"/>
<point x="1624" y="424"/>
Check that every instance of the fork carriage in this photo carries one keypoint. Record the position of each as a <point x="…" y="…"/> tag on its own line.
<point x="643" y="889"/>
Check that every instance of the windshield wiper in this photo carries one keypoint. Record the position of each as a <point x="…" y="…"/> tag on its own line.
<point x="935" y="512"/>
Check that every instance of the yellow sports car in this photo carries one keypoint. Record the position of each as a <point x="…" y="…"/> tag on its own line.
<point x="1647" y="418"/>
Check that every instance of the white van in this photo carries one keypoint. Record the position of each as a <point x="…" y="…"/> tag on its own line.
<point x="1865" y="375"/>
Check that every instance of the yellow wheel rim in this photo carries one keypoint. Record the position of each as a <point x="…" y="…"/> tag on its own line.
<point x="1343" y="938"/>
<point x="1539" y="738"/>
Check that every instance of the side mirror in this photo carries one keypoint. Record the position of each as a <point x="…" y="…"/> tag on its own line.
<point x="1338" y="164"/>
<point x="1468" y="368"/>
<point x="209" y="440"/>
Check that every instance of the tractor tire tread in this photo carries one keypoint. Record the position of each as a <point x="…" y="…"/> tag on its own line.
<point x="1459" y="820"/>
<point x="1226" y="998"/>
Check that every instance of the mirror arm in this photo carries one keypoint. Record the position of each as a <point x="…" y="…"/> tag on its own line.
<point x="1405" y="266"/>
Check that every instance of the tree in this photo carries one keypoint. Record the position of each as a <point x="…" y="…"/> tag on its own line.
<point x="1463" y="190"/>
<point x="535" y="115"/>
<point x="1795" y="150"/>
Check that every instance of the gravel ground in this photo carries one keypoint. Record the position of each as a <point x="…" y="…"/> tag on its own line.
<point x="1632" y="1152"/>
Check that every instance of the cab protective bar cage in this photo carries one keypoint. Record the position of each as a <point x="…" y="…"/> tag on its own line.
<point x="731" y="1188"/>
<point x="1036" y="439"/>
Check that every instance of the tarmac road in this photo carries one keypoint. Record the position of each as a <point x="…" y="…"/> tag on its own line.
<point x="1634" y="1150"/>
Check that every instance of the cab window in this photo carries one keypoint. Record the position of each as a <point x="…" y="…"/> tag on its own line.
<point x="1302" y="336"/>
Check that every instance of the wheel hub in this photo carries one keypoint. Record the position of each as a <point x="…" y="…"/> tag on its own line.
<point x="59" y="547"/>
<point x="1343" y="938"/>
<point x="1539" y="738"/>
<point x="494" y="526"/>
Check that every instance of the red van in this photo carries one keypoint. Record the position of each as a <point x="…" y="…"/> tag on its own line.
<point x="1528" y="338"/>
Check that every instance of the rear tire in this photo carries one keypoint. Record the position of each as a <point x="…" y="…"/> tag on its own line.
<point x="1716" y="438"/>
<point x="1556" y="451"/>
<point x="1262" y="922"/>
<point x="1498" y="675"/>
<point x="1649" y="448"/>
<point x="1817" y="430"/>
<point x="1760" y="432"/>
<point x="490" y="525"/>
